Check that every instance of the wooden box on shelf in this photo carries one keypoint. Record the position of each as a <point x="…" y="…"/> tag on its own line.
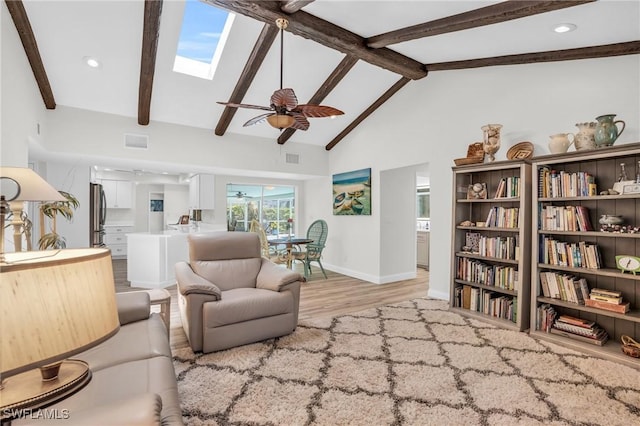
<point x="566" y="207"/>
<point x="490" y="243"/>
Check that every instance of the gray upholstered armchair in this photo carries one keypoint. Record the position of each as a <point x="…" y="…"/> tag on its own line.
<point x="228" y="295"/>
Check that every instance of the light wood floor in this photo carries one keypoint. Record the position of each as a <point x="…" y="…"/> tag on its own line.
<point x="319" y="297"/>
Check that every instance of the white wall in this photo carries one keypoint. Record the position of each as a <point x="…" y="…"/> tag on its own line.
<point x="87" y="135"/>
<point x="434" y="119"/>
<point x="141" y="207"/>
<point x="74" y="179"/>
<point x="21" y="106"/>
<point x="176" y="202"/>
<point x="398" y="223"/>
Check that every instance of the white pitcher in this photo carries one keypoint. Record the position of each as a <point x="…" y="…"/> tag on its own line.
<point x="560" y="143"/>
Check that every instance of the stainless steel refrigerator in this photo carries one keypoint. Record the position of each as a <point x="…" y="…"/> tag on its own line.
<point x="98" y="215"/>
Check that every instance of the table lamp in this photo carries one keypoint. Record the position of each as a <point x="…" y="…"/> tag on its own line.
<point x="32" y="188"/>
<point x="53" y="304"/>
<point x="9" y="190"/>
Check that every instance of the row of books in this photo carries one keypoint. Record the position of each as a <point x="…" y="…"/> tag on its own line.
<point x="491" y="275"/>
<point x="564" y="287"/>
<point x="502" y="217"/>
<point x="548" y="320"/>
<point x="487" y="302"/>
<point x="565" y="218"/>
<point x="500" y="247"/>
<point x="508" y="187"/>
<point x="552" y="183"/>
<point x="579" y="329"/>
<point x="574" y="255"/>
<point x="570" y="289"/>
<point x="545" y="316"/>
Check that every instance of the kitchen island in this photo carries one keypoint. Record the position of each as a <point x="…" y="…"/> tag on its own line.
<point x="152" y="256"/>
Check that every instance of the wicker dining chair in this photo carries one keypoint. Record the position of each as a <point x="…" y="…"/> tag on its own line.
<point x="317" y="232"/>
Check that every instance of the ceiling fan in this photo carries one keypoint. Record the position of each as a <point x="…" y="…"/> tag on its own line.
<point x="284" y="109"/>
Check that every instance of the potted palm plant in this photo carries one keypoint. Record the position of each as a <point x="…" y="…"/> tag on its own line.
<point x="52" y="210"/>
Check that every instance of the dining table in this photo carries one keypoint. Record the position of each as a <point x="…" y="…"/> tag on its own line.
<point x="289" y="243"/>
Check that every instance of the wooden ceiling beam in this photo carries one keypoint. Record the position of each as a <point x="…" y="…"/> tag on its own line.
<point x="259" y="52"/>
<point x="292" y="6"/>
<point x="329" y="84"/>
<point x="374" y="106"/>
<point x="28" y="39"/>
<point x="308" y="26"/>
<point x="150" y="35"/>
<point x="608" y="50"/>
<point x="487" y="15"/>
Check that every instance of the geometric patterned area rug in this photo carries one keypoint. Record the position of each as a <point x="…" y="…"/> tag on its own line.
<point x="409" y="363"/>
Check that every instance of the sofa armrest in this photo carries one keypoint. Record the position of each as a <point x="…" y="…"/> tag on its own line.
<point x="274" y="277"/>
<point x="142" y="410"/>
<point x="133" y="306"/>
<point x="191" y="283"/>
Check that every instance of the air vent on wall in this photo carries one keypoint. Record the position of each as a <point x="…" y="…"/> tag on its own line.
<point x="132" y="140"/>
<point x="292" y="158"/>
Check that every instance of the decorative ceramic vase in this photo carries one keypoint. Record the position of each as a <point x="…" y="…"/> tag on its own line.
<point x="607" y="130"/>
<point x="585" y="138"/>
<point x="560" y="143"/>
<point x="491" y="143"/>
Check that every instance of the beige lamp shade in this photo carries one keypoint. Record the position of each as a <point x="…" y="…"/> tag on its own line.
<point x="54" y="304"/>
<point x="32" y="186"/>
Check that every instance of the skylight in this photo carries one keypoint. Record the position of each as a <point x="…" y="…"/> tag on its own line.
<point x="205" y="29"/>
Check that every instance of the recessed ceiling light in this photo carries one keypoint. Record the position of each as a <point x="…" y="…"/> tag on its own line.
<point x="91" y="62"/>
<point x="564" y="28"/>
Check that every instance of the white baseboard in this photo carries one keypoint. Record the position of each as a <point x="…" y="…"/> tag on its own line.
<point x="375" y="279"/>
<point x="434" y="294"/>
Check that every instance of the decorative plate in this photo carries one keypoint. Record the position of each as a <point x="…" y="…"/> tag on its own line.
<point x="520" y="151"/>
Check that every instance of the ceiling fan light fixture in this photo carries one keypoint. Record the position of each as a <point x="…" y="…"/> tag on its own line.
<point x="280" y="121"/>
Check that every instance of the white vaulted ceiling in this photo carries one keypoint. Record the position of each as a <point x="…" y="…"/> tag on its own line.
<point x="67" y="31"/>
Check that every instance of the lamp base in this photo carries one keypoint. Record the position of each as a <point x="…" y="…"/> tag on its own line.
<point x="28" y="390"/>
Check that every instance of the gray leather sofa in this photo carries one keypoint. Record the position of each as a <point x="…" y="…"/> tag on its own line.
<point x="133" y="380"/>
<point x="228" y="295"/>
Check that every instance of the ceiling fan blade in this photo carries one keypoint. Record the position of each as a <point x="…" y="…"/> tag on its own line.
<point x="260" y="118"/>
<point x="317" y="111"/>
<point x="300" y="122"/>
<point x="284" y="97"/>
<point x="233" y="105"/>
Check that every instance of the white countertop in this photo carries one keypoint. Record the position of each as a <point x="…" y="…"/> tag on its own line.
<point x="113" y="225"/>
<point x="167" y="233"/>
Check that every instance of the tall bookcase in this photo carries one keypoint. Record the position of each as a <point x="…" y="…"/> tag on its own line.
<point x="491" y="263"/>
<point x="569" y="170"/>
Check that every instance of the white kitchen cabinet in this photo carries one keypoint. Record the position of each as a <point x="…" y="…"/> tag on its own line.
<point x="115" y="238"/>
<point x="119" y="193"/>
<point x="422" y="249"/>
<point x="201" y="192"/>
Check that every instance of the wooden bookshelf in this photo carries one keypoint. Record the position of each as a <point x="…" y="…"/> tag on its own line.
<point x="604" y="165"/>
<point x="477" y="210"/>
